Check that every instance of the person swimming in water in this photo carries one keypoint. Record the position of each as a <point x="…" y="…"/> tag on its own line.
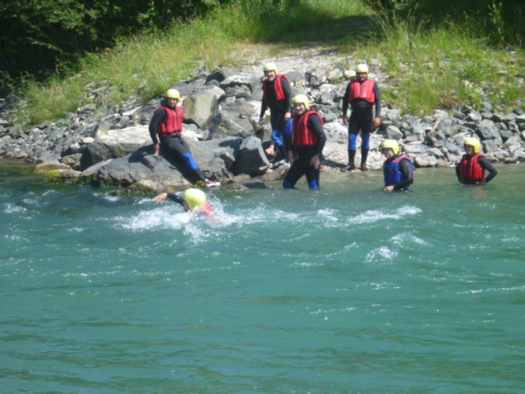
<point x="193" y="200"/>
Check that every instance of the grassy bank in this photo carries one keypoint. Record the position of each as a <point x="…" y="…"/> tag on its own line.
<point x="434" y="63"/>
<point x="148" y="64"/>
<point x="444" y="66"/>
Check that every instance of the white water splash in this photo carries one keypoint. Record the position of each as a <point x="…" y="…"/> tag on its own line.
<point x="407" y="238"/>
<point x="380" y="254"/>
<point x="12" y="208"/>
<point x="376" y="215"/>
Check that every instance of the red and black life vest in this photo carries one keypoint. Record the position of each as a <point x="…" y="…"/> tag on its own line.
<point x="172" y="122"/>
<point x="206" y="209"/>
<point x="364" y="91"/>
<point x="469" y="169"/>
<point x="278" y="87"/>
<point x="302" y="135"/>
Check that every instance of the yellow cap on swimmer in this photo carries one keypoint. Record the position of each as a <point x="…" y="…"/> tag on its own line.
<point x="390" y="144"/>
<point x="195" y="198"/>
<point x="474" y="142"/>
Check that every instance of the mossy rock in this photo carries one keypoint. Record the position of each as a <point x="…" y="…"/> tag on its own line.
<point x="54" y="176"/>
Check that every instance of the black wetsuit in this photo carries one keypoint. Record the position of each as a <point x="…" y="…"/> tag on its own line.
<point x="361" y="119"/>
<point x="303" y="156"/>
<point x="277" y="108"/>
<point x="176" y="197"/>
<point x="483" y="163"/>
<point x="277" y="111"/>
<point x="175" y="146"/>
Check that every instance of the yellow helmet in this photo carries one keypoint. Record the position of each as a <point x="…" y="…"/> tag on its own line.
<point x="270" y="67"/>
<point x="361" y="68"/>
<point x="301" y="99"/>
<point x="473" y="142"/>
<point x="173" y="94"/>
<point x="390" y="144"/>
<point x="195" y="198"/>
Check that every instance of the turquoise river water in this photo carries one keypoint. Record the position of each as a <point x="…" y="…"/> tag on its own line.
<point x="348" y="289"/>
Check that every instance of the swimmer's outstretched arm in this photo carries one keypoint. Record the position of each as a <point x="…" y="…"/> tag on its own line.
<point x="161" y="198"/>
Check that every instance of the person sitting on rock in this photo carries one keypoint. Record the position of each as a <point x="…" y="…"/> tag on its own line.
<point x="167" y="123"/>
<point x="277" y="95"/>
<point x="398" y="169"/>
<point x="471" y="168"/>
<point x="305" y="145"/>
<point x="192" y="200"/>
<point x="362" y="93"/>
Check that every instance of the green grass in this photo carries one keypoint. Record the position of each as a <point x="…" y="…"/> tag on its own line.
<point x="445" y="65"/>
<point x="149" y="63"/>
<point x="433" y="65"/>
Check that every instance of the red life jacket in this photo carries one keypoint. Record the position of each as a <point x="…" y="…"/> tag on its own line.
<point x="302" y="135"/>
<point x="363" y="91"/>
<point x="469" y="168"/>
<point x="278" y="87"/>
<point x="172" y="122"/>
<point x="206" y="209"/>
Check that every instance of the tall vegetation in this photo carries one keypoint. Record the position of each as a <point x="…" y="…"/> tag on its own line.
<point x="440" y="54"/>
<point x="449" y="53"/>
<point x="41" y="35"/>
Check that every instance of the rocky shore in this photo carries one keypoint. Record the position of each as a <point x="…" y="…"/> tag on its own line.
<point x="111" y="145"/>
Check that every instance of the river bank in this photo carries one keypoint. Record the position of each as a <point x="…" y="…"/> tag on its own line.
<point x="112" y="145"/>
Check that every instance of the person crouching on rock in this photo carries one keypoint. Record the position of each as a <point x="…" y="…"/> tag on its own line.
<point x="362" y="93"/>
<point x="471" y="168"/>
<point x="192" y="200"/>
<point x="306" y="144"/>
<point x="398" y="169"/>
<point x="167" y="123"/>
<point x="277" y="95"/>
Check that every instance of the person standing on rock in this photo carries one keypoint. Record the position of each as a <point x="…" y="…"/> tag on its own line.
<point x="398" y="169"/>
<point x="362" y="93"/>
<point x="277" y="95"/>
<point x="471" y="168"/>
<point x="167" y="123"/>
<point x="305" y="145"/>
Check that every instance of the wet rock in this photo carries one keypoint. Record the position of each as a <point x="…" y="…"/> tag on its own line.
<point x="425" y="161"/>
<point x="201" y="104"/>
<point x="251" y="159"/>
<point x="114" y="143"/>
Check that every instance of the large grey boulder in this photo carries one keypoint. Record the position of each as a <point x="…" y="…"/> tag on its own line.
<point x="201" y="104"/>
<point x="110" y="144"/>
<point x="486" y="129"/>
<point x="141" y="165"/>
<point x="216" y="157"/>
<point x="234" y="120"/>
<point x="393" y="132"/>
<point x="425" y="161"/>
<point x="251" y="159"/>
<point x="251" y="81"/>
<point x="336" y="132"/>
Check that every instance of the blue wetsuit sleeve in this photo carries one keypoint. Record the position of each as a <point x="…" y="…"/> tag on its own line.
<point x="155" y="122"/>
